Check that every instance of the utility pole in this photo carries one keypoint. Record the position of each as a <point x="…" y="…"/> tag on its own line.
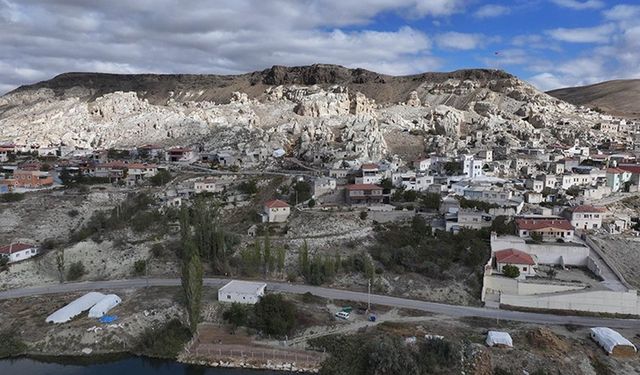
<point x="368" y="295"/>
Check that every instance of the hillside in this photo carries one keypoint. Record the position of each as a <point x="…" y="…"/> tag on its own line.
<point x="318" y="112"/>
<point x="619" y="97"/>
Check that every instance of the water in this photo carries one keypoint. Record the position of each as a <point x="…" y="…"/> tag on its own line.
<point x="125" y="366"/>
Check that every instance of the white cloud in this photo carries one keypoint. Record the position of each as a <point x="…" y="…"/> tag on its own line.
<point x="491" y="11"/>
<point x="622" y="12"/>
<point x="580" y="5"/>
<point x="548" y="81"/>
<point x="461" y="41"/>
<point x="43" y="38"/>
<point x="598" y="34"/>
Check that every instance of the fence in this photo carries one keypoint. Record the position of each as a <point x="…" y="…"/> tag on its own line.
<point x="273" y="356"/>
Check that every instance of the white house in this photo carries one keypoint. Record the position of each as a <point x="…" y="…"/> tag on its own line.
<point x="587" y="217"/>
<point x="517" y="258"/>
<point x="370" y="174"/>
<point x="550" y="229"/>
<point x="422" y="165"/>
<point x="275" y="211"/>
<point x="205" y="185"/>
<point x="472" y="167"/>
<point x="616" y="178"/>
<point x="241" y="292"/>
<point x="324" y="185"/>
<point x="18" y="251"/>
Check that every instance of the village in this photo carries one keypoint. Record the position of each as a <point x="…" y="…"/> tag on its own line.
<point x="556" y="217"/>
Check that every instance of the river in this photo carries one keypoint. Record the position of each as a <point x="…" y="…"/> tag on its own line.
<point x="123" y="366"/>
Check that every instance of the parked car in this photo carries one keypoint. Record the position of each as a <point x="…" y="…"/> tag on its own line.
<point x="342" y="315"/>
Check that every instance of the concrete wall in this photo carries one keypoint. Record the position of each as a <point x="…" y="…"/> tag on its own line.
<point x="546" y="253"/>
<point x="603" y="301"/>
<point x="508" y="286"/>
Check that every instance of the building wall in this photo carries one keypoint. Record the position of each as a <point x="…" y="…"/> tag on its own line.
<point x="278" y="214"/>
<point x="22" y="255"/>
<point x="507" y="286"/>
<point x="546" y="253"/>
<point x="232" y="297"/>
<point x="603" y="301"/>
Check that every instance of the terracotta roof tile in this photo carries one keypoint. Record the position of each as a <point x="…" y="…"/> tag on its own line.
<point x="513" y="256"/>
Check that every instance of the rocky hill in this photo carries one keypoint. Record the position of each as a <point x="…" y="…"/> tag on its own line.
<point x="317" y="112"/>
<point x="619" y="97"/>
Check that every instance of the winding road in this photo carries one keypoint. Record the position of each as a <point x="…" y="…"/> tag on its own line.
<point x="431" y="307"/>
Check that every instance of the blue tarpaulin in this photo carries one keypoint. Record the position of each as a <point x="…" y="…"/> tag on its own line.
<point x="108" y="319"/>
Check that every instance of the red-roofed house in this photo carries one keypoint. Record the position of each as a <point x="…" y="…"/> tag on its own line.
<point x="549" y="228"/>
<point x="369" y="174"/>
<point x="276" y="211"/>
<point x="181" y="154"/>
<point x="587" y="216"/>
<point x="18" y="251"/>
<point x="520" y="259"/>
<point x="364" y="194"/>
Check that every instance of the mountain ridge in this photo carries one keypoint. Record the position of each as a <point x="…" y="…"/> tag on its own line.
<point x="620" y="97"/>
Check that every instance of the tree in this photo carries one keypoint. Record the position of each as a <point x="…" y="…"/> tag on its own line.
<point x="281" y="257"/>
<point x="76" y="271"/>
<point x="60" y="264"/>
<point x="274" y="315"/>
<point x="303" y="261"/>
<point x="268" y="258"/>
<point x="162" y="177"/>
<point x="503" y="225"/>
<point x="192" y="274"/>
<point x="301" y="192"/>
<point x="237" y="315"/>
<point x="139" y="267"/>
<point x="536" y="237"/>
<point x="363" y="215"/>
<point x="551" y="273"/>
<point x="431" y="201"/>
<point x="410" y="195"/>
<point x="386" y="183"/>
<point x="511" y="271"/>
<point x="387" y="355"/>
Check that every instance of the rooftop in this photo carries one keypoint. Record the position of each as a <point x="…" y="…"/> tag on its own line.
<point x="513" y="256"/>
<point x="363" y="187"/>
<point x="534" y="224"/>
<point x="588" y="208"/>
<point x="243" y="287"/>
<point x="276" y="203"/>
<point x="12" y="248"/>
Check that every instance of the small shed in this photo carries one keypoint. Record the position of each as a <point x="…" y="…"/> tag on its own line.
<point x="499" y="339"/>
<point x="613" y="342"/>
<point x="242" y="292"/>
<point x="104" y="305"/>
<point x="75" y="308"/>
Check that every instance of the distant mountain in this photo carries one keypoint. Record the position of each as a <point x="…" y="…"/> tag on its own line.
<point x="619" y="97"/>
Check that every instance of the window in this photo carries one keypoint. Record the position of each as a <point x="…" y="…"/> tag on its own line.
<point x="524" y="269"/>
<point x="228" y="296"/>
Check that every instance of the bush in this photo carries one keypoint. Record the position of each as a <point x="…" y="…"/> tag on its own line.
<point x="248" y="187"/>
<point x="165" y="342"/>
<point x="157" y="250"/>
<point x="76" y="271"/>
<point x="11" y="197"/>
<point x="510" y="271"/>
<point x="162" y="177"/>
<point x="10" y="344"/>
<point x="139" y="267"/>
<point x="73" y="213"/>
<point x="274" y="315"/>
<point x="363" y="215"/>
<point x="237" y="315"/>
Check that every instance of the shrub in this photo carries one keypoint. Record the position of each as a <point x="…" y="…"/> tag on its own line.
<point x="11" y="197"/>
<point x="73" y="213"/>
<point x="162" y="177"/>
<point x="274" y="315"/>
<point x="76" y="271"/>
<point x="139" y="267"/>
<point x="364" y="215"/>
<point x="510" y="271"/>
<point x="10" y="344"/>
<point x="237" y="315"/>
<point x="157" y="250"/>
<point x="248" y="187"/>
<point x="165" y="342"/>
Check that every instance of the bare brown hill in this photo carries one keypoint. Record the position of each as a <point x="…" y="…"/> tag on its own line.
<point x="619" y="97"/>
<point x="158" y="88"/>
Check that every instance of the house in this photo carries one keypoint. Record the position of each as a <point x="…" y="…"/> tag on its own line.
<point x="31" y="179"/>
<point x="616" y="178"/>
<point x="323" y="185"/>
<point x="517" y="258"/>
<point x="141" y="171"/>
<point x="236" y="291"/>
<point x="472" y="167"/>
<point x="469" y="218"/>
<point x="549" y="228"/>
<point x="150" y="151"/>
<point x="113" y="170"/>
<point x="364" y="194"/>
<point x="206" y="185"/>
<point x="18" y="251"/>
<point x="422" y="165"/>
<point x="4" y="153"/>
<point x="181" y="154"/>
<point x="535" y="185"/>
<point x="533" y="197"/>
<point x="369" y="174"/>
<point x="275" y="211"/>
<point x="587" y="217"/>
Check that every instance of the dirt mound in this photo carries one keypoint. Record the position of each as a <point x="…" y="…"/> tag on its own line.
<point x="620" y="97"/>
<point x="544" y="339"/>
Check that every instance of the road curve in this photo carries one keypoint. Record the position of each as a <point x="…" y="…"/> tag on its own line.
<point x="431" y="307"/>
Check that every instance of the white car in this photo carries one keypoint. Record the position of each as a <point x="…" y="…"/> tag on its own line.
<point x="342" y="315"/>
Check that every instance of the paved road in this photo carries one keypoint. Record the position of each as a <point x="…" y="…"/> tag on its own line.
<point x="437" y="308"/>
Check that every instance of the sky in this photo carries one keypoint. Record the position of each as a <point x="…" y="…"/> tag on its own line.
<point x="549" y="43"/>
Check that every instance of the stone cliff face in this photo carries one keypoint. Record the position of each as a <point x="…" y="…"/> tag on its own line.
<point x="321" y="112"/>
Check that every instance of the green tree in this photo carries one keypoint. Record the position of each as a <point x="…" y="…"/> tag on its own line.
<point x="192" y="275"/>
<point x="387" y="355"/>
<point x="510" y="271"/>
<point x="76" y="271"/>
<point x="139" y="267"/>
<point x="274" y="315"/>
<point x="431" y="201"/>
<point x="303" y="261"/>
<point x="536" y="237"/>
<point x="237" y="315"/>
<point x="60" y="264"/>
<point x="502" y="225"/>
<point x="268" y="258"/>
<point x="386" y="183"/>
<point x="281" y="255"/>
<point x="162" y="177"/>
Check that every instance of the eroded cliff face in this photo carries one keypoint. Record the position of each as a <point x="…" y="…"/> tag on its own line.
<point x="319" y="112"/>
